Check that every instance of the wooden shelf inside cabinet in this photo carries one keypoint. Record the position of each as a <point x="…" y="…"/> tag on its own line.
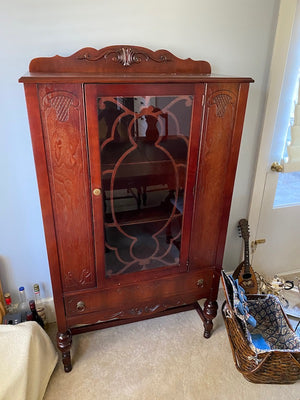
<point x="174" y="148"/>
<point x="137" y="217"/>
<point x="145" y="167"/>
<point x="157" y="140"/>
<point x="147" y="175"/>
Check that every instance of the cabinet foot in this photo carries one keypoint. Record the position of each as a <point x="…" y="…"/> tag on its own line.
<point x="207" y="315"/>
<point x="64" y="342"/>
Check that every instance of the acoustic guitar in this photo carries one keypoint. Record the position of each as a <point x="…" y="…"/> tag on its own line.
<point x="244" y="272"/>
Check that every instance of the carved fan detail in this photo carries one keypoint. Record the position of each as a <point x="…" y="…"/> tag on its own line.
<point x="221" y="99"/>
<point x="61" y="102"/>
<point x="221" y="102"/>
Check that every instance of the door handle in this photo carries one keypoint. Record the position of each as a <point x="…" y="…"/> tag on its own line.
<point x="276" y="167"/>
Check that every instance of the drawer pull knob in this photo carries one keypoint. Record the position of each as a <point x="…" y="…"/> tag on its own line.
<point x="80" y="306"/>
<point x="200" y="283"/>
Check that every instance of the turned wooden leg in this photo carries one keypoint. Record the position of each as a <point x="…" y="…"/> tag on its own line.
<point x="64" y="342"/>
<point x="207" y="315"/>
<point x="210" y="312"/>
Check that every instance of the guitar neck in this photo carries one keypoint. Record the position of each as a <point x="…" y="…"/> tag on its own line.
<point x="246" y="255"/>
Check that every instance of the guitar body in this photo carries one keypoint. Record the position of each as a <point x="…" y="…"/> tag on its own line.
<point x="244" y="272"/>
<point x="246" y="279"/>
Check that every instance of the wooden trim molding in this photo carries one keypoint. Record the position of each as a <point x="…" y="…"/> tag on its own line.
<point x="119" y="58"/>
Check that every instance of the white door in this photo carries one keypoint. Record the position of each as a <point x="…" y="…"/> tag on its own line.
<point x="275" y="206"/>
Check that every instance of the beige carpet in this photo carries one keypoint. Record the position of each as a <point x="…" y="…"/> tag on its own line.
<point x="159" y="359"/>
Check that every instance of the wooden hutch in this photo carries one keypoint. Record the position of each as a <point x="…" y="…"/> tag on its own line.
<point x="135" y="153"/>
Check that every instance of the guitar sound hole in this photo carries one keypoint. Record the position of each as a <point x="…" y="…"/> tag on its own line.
<point x="246" y="276"/>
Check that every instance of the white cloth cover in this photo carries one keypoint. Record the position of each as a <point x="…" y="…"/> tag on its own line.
<point x="27" y="360"/>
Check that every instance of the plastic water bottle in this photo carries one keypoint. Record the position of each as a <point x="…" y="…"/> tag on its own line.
<point x="24" y="305"/>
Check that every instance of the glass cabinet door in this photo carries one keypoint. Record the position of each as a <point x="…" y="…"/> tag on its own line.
<point x="143" y="144"/>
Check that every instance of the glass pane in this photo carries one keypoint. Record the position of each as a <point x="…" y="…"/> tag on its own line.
<point x="288" y="185"/>
<point x="288" y="190"/>
<point x="144" y="147"/>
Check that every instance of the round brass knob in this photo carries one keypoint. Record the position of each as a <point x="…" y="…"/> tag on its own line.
<point x="80" y="306"/>
<point x="97" y="192"/>
<point x="276" y="167"/>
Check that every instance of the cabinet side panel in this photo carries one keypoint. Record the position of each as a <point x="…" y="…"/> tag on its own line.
<point x="32" y="101"/>
<point x="65" y="143"/>
<point x="217" y="165"/>
<point x="232" y="165"/>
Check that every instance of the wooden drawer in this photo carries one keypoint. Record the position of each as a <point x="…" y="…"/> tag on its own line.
<point x="144" y="297"/>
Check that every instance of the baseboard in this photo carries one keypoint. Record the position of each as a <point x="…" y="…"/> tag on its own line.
<point x="50" y="309"/>
<point x="293" y="272"/>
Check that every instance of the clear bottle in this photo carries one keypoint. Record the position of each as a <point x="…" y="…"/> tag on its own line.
<point x="10" y="308"/>
<point x="40" y="308"/>
<point x="24" y="305"/>
<point x="12" y="316"/>
<point x="35" y="315"/>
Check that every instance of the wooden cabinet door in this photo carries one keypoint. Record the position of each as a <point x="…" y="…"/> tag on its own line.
<point x="63" y="128"/>
<point x="143" y="150"/>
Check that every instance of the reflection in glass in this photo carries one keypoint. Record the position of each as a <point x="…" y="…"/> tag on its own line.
<point x="144" y="147"/>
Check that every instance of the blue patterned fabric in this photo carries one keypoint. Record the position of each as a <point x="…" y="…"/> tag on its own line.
<point x="259" y="342"/>
<point x="271" y="331"/>
<point x="271" y="324"/>
<point x="240" y="302"/>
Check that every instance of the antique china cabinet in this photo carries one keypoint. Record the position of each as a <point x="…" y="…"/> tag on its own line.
<point x="135" y="155"/>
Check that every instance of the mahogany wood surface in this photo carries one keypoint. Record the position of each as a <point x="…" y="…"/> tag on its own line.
<point x="116" y="58"/>
<point x="185" y="286"/>
<point x="61" y="95"/>
<point x="149" y="78"/>
<point x="217" y="165"/>
<point x="111" y="323"/>
<point x="64" y="134"/>
<point x="45" y="198"/>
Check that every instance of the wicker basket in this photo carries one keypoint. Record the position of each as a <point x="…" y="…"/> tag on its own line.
<point x="268" y="366"/>
<point x="2" y="304"/>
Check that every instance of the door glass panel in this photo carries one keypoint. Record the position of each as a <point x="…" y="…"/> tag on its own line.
<point x="144" y="147"/>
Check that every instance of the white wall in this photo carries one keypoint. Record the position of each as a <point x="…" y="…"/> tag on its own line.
<point x="235" y="36"/>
